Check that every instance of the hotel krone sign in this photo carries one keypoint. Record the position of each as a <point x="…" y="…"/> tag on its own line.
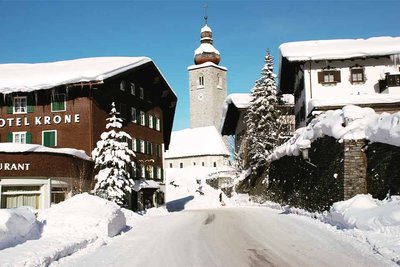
<point x="39" y="120"/>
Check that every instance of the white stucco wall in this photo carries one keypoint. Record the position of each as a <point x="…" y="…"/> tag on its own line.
<point x="373" y="69"/>
<point x="189" y="161"/>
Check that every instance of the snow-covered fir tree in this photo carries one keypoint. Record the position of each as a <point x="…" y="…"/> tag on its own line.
<point x="263" y="120"/>
<point x="113" y="160"/>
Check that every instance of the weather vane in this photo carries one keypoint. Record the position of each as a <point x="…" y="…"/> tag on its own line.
<point x="205" y="13"/>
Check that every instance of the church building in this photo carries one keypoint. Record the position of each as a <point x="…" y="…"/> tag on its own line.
<point x="202" y="144"/>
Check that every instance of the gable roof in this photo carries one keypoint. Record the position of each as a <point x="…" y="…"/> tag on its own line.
<point x="189" y="143"/>
<point x="26" y="77"/>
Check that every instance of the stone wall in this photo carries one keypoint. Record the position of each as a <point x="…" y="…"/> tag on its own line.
<point x="355" y="168"/>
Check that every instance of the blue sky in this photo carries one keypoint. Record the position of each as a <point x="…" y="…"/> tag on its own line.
<point x="169" y="32"/>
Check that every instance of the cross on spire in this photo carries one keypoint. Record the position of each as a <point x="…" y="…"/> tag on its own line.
<point x="205" y="13"/>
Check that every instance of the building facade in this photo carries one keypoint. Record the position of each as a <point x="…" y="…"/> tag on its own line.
<point x="65" y="105"/>
<point x="329" y="74"/>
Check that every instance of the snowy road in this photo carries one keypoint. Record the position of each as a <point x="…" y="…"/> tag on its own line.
<point x="230" y="237"/>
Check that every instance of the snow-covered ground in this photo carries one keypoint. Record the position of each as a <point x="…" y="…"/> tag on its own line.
<point x="89" y="231"/>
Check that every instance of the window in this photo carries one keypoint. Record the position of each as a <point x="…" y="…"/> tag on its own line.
<point x="49" y="138"/>
<point x="151" y="121"/>
<point x="201" y="81"/>
<point x="357" y="75"/>
<point x="123" y="111"/>
<point x="141" y="93"/>
<point x="19" y="137"/>
<point x="202" y="164"/>
<point x="158" y="124"/>
<point x="134" y="145"/>
<point x="159" y="174"/>
<point x="181" y="165"/>
<point x="329" y="76"/>
<point x="219" y="81"/>
<point x="170" y="165"/>
<point x="194" y="163"/>
<point x="122" y="86"/>
<point x="20" y="105"/>
<point x="58" y="194"/>
<point x="393" y="79"/>
<point x="215" y="165"/>
<point x="142" y="118"/>
<point x="58" y="102"/>
<point x="158" y="150"/>
<point x="149" y="148"/>
<point x="142" y="146"/>
<point x="151" y="171"/>
<point x="133" y="115"/>
<point x="133" y="89"/>
<point x="16" y="196"/>
<point x="143" y="171"/>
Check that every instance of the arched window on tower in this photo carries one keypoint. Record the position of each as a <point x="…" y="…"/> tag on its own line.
<point x="219" y="81"/>
<point x="201" y="80"/>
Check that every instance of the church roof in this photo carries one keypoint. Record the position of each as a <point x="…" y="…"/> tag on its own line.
<point x="200" y="141"/>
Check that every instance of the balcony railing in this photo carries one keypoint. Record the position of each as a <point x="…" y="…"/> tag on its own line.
<point x="392" y="80"/>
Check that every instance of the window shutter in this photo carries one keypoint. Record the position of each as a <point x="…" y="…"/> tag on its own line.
<point x="145" y="147"/>
<point x="10" y="109"/>
<point x="162" y="174"/>
<point x="155" y="172"/>
<point x="28" y="138"/>
<point x="146" y="117"/>
<point x="336" y="75"/>
<point x="320" y="77"/>
<point x="154" y="122"/>
<point x="30" y="108"/>
<point x="9" y="137"/>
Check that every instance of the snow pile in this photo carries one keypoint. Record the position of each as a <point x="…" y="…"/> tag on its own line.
<point x="89" y="214"/>
<point x="30" y="77"/>
<point x="24" y="148"/>
<point x="205" y="48"/>
<point x="350" y="122"/>
<point x="366" y="213"/>
<point x="340" y="48"/>
<point x="17" y="225"/>
<point x="185" y="143"/>
<point x="66" y="228"/>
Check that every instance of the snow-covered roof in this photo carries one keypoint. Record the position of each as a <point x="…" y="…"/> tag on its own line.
<point x="240" y="101"/>
<point x="354" y="100"/>
<point x="340" y="48"/>
<point x="196" y="142"/>
<point x="25" y="77"/>
<point x="206" y="29"/>
<point x="139" y="184"/>
<point x="350" y="122"/>
<point x="205" y="48"/>
<point x="288" y="99"/>
<point x="206" y="64"/>
<point x="23" y="148"/>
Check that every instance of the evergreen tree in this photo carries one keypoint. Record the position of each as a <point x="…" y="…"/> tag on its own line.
<point x="113" y="160"/>
<point x="263" y="118"/>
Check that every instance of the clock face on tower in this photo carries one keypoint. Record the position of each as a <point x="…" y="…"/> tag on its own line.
<point x="200" y="96"/>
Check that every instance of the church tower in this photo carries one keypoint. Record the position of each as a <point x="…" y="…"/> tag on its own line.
<point x="207" y="83"/>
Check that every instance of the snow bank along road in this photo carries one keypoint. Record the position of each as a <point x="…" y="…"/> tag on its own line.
<point x="230" y="237"/>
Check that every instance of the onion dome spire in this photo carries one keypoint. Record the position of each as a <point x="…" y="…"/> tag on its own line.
<point x="206" y="52"/>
